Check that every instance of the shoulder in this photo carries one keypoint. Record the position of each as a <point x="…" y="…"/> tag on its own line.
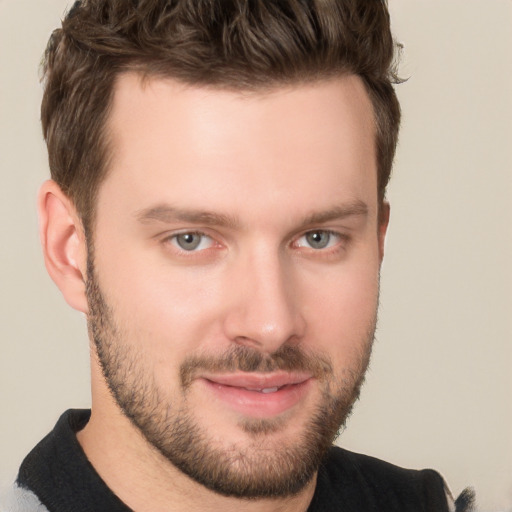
<point x="379" y="473"/>
<point x="361" y="482"/>
<point x="18" y="499"/>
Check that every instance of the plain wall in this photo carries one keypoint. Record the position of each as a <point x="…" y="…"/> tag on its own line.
<point x="439" y="390"/>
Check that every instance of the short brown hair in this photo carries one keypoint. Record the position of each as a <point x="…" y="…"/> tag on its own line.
<point x="232" y="44"/>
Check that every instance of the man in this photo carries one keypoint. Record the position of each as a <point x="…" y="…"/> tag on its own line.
<point x="217" y="210"/>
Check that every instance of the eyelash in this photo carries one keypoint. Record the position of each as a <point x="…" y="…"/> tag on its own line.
<point x="332" y="234"/>
<point x="173" y="240"/>
<point x="328" y="250"/>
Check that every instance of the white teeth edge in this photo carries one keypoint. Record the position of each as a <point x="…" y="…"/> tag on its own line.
<point x="264" y="390"/>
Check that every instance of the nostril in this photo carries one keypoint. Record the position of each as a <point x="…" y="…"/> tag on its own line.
<point x="246" y="341"/>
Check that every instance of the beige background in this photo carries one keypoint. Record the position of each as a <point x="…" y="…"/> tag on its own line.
<point x="439" y="393"/>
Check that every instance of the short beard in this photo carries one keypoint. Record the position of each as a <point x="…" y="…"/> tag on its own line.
<point x="258" y="469"/>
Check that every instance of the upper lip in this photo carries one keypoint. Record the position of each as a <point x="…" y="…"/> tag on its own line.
<point x="258" y="380"/>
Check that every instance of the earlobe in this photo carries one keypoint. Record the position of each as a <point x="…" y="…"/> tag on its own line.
<point x="384" y="214"/>
<point x="63" y="242"/>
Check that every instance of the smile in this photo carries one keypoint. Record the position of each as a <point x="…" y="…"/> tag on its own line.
<point x="257" y="395"/>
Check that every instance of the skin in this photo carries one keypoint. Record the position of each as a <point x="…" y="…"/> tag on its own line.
<point x="275" y="166"/>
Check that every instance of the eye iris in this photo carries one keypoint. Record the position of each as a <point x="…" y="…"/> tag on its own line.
<point x="318" y="239"/>
<point x="188" y="241"/>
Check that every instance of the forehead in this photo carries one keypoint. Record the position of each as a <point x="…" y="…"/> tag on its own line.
<point x="173" y="142"/>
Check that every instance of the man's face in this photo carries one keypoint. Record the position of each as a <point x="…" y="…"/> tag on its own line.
<point x="233" y="284"/>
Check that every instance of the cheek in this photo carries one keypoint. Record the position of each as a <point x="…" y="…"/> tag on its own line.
<point x="342" y="311"/>
<point x="158" y="309"/>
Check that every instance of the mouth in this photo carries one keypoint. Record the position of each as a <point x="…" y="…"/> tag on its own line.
<point x="258" y="395"/>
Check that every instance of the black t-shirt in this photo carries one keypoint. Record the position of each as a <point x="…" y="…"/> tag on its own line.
<point x="59" y="474"/>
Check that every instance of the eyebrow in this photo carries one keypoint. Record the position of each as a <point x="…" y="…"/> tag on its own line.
<point x="355" y="209"/>
<point x="168" y="214"/>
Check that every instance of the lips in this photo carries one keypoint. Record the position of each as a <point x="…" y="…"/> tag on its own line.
<point x="258" y="381"/>
<point x="257" y="395"/>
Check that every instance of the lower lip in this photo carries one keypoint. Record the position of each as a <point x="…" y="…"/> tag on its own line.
<point x="256" y="404"/>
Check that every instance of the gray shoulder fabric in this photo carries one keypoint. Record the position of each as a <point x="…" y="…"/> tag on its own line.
<point x="17" y="499"/>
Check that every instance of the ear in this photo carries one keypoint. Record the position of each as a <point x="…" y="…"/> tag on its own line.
<point x="64" y="246"/>
<point x="384" y="213"/>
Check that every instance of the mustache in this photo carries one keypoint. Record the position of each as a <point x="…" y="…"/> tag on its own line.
<point x="240" y="358"/>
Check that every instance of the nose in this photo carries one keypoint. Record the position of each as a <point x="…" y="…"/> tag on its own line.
<point x="264" y="310"/>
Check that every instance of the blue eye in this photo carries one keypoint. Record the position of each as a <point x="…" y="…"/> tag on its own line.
<point x="319" y="239"/>
<point x="191" y="241"/>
